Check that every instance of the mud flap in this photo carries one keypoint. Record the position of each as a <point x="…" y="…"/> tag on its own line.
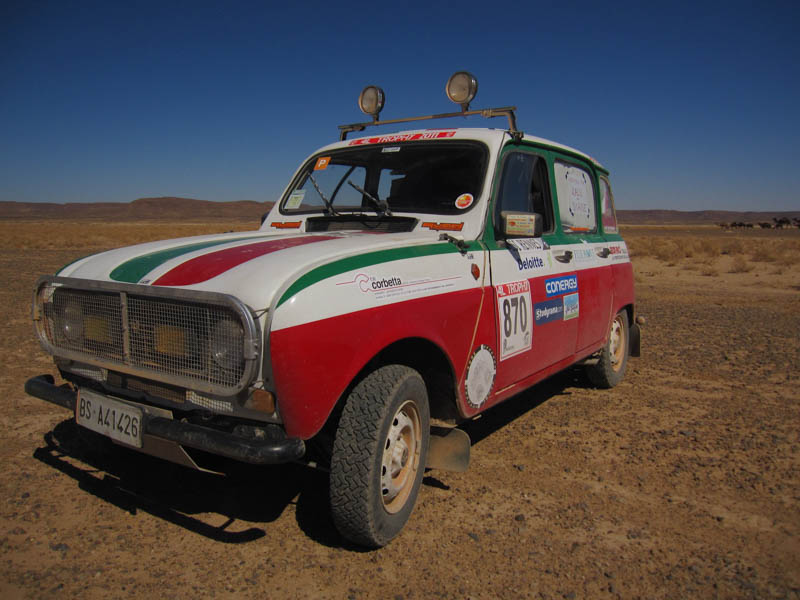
<point x="449" y="450"/>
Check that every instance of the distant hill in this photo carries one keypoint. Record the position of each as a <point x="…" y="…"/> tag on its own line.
<point x="149" y="209"/>
<point x="697" y="217"/>
<point x="189" y="209"/>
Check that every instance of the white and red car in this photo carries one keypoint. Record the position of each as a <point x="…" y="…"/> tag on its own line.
<point x="403" y="284"/>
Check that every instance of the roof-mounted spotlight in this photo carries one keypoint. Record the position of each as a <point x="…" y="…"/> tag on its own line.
<point x="371" y="100"/>
<point x="461" y="88"/>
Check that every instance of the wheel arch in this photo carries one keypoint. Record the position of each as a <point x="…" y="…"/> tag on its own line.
<point x="433" y="365"/>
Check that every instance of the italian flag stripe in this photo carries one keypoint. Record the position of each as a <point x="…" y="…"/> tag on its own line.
<point x="132" y="271"/>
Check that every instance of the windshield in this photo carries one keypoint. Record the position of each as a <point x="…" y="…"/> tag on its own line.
<point x="439" y="178"/>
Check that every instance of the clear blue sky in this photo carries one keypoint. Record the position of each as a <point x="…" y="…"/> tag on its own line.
<point x="691" y="105"/>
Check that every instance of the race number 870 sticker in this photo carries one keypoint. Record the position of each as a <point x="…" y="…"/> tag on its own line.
<point x="514" y="317"/>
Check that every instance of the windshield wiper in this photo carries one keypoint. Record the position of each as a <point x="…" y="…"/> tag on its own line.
<point x="328" y="205"/>
<point x="383" y="206"/>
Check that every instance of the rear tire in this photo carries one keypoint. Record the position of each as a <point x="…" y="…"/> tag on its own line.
<point x="610" y="367"/>
<point x="379" y="455"/>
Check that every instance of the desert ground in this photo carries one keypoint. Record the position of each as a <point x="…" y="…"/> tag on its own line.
<point x="684" y="481"/>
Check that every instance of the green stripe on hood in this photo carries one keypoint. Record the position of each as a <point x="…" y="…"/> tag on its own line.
<point x="132" y="271"/>
<point x="364" y="260"/>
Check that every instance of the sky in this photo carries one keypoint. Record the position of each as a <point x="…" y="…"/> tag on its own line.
<point x="690" y="105"/>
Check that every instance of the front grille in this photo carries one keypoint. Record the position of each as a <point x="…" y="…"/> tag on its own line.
<point x="201" y="340"/>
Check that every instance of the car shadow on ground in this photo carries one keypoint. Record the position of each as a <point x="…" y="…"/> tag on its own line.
<point x="246" y="494"/>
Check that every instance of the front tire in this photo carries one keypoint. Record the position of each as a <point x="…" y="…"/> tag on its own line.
<point x="610" y="367"/>
<point x="379" y="455"/>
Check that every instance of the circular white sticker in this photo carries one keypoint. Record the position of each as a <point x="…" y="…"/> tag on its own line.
<point x="464" y="201"/>
<point x="480" y="376"/>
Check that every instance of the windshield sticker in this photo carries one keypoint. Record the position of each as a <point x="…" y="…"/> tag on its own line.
<point x="443" y="226"/>
<point x="480" y="376"/>
<point x="464" y="201"/>
<point x="403" y="137"/>
<point x="514" y="315"/>
<point x="322" y="163"/>
<point x="295" y="200"/>
<point x="389" y="149"/>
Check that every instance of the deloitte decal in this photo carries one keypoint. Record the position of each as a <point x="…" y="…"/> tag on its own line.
<point x="530" y="262"/>
<point x="561" y="285"/>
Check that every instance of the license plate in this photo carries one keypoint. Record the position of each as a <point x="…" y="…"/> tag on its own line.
<point x="109" y="417"/>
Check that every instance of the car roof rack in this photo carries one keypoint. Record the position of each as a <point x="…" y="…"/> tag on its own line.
<point x="461" y="89"/>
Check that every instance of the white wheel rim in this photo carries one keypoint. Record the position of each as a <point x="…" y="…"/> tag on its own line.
<point x="400" y="461"/>
<point x="616" y="343"/>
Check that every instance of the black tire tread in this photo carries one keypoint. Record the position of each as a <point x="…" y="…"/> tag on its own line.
<point x="352" y="482"/>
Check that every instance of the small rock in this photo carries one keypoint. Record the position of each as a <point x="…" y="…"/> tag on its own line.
<point x="474" y="536"/>
<point x="519" y="517"/>
<point x="60" y="547"/>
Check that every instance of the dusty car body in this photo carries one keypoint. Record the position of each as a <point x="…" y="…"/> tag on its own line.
<point x="404" y="283"/>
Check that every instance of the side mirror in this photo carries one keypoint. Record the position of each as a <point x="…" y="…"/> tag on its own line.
<point x="521" y="224"/>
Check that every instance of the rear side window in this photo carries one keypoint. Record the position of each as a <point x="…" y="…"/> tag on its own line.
<point x="575" y="198"/>
<point x="524" y="187"/>
<point x="607" y="204"/>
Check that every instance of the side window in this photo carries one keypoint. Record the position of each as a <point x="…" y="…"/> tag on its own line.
<point x="575" y="198"/>
<point x="607" y="204"/>
<point x="524" y="187"/>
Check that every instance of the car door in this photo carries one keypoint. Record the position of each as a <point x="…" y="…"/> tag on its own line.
<point x="583" y="250"/>
<point x="528" y="282"/>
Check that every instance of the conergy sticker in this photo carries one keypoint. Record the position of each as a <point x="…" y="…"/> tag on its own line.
<point x="561" y="285"/>
<point x="464" y="201"/>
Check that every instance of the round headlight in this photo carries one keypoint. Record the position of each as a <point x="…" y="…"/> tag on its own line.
<point x="461" y="88"/>
<point x="371" y="100"/>
<point x="227" y="344"/>
<point x="72" y="323"/>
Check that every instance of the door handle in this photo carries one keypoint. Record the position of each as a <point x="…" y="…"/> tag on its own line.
<point x="603" y="252"/>
<point x="565" y="257"/>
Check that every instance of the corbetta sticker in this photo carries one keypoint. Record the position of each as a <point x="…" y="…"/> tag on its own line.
<point x="570" y="306"/>
<point x="464" y="201"/>
<point x="561" y="285"/>
<point x="403" y="137"/>
<point x="548" y="311"/>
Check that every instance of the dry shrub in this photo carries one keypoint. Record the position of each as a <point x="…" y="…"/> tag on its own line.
<point x="740" y="265"/>
<point x="708" y="248"/>
<point x="666" y="250"/>
<point x="709" y="271"/>
<point x="732" y="247"/>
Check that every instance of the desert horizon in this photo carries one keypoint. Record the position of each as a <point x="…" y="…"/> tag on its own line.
<point x="172" y="208"/>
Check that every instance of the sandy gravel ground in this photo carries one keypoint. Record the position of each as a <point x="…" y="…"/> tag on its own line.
<point x="684" y="481"/>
